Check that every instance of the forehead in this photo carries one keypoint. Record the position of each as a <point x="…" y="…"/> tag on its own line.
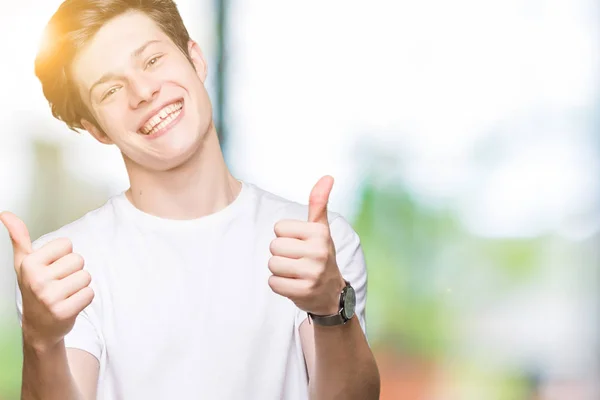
<point x="111" y="47"/>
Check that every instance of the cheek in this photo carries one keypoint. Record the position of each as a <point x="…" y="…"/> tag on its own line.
<point x="114" y="119"/>
<point x="185" y="73"/>
<point x="179" y="70"/>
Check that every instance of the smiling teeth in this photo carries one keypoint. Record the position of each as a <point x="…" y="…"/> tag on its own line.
<point x="162" y="118"/>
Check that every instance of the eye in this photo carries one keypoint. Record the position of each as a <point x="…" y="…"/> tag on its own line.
<point x="110" y="92"/>
<point x="153" y="61"/>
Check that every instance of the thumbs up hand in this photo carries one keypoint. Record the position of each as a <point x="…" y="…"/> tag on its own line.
<point x="304" y="263"/>
<point x="53" y="285"/>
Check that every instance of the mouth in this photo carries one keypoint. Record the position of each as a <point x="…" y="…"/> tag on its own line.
<point x="161" y="118"/>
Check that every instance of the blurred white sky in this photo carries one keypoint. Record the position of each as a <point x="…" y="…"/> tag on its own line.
<point x="431" y="80"/>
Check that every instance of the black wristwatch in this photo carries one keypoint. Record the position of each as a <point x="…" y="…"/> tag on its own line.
<point x="346" y="312"/>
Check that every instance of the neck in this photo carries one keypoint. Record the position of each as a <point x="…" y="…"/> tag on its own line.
<point x="202" y="185"/>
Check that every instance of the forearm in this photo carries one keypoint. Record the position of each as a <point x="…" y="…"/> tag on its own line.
<point x="46" y="374"/>
<point x="344" y="364"/>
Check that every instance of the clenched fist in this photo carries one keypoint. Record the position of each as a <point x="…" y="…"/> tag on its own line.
<point x="54" y="286"/>
<point x="304" y="265"/>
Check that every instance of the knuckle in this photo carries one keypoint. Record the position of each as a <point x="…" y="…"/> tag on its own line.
<point x="273" y="246"/>
<point x="65" y="244"/>
<point x="314" y="275"/>
<point x="53" y="310"/>
<point x="36" y="283"/>
<point x="68" y="244"/>
<point x="308" y="288"/>
<point x="87" y="296"/>
<point x="77" y="260"/>
<point x="321" y="253"/>
<point x="59" y="313"/>
<point x="86" y="277"/>
<point x="27" y="264"/>
<point x="323" y="231"/>
<point x="45" y="299"/>
<point x="271" y="263"/>
<point x="90" y="294"/>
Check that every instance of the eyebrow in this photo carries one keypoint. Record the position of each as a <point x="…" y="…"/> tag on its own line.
<point x="110" y="75"/>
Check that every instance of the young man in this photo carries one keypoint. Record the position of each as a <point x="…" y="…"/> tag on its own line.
<point x="190" y="284"/>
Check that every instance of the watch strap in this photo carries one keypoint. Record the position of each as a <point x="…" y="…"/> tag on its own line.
<point x="328" y="320"/>
<point x="338" y="318"/>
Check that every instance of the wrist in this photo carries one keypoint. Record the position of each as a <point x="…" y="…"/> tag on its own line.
<point x="332" y="305"/>
<point x="41" y="346"/>
<point x="343" y="313"/>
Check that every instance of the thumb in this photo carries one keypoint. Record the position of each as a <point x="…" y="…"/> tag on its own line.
<point x="19" y="235"/>
<point x="317" y="202"/>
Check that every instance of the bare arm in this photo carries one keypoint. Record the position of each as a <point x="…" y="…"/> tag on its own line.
<point x="339" y="361"/>
<point x="58" y="373"/>
<point x="54" y="289"/>
<point x="310" y="265"/>
<point x="85" y="370"/>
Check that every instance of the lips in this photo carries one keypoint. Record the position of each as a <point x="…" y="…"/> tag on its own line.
<point x="161" y="118"/>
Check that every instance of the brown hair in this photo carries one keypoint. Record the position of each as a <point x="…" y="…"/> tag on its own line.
<point x="71" y="27"/>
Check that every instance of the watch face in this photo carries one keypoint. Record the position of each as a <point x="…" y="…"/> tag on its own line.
<point x="349" y="303"/>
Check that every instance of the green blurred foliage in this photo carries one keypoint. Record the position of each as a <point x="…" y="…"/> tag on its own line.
<point x="426" y="272"/>
<point x="418" y="256"/>
<point x="400" y="237"/>
<point x="10" y="362"/>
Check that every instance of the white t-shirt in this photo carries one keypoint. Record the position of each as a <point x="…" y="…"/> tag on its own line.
<point x="183" y="309"/>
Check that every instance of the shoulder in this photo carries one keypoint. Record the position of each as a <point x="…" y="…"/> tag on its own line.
<point x="277" y="207"/>
<point x="282" y="208"/>
<point x="85" y="229"/>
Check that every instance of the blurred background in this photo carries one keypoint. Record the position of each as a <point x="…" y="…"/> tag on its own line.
<point x="464" y="137"/>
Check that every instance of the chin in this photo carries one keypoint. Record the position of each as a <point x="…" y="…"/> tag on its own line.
<point x="176" y="148"/>
<point x="180" y="156"/>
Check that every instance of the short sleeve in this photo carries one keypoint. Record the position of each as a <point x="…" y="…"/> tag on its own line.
<point x="351" y="262"/>
<point x="84" y="335"/>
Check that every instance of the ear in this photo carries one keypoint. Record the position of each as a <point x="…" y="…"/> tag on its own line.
<point x="97" y="133"/>
<point x="198" y="60"/>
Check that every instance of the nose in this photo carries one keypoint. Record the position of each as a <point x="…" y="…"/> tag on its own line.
<point x="144" y="89"/>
